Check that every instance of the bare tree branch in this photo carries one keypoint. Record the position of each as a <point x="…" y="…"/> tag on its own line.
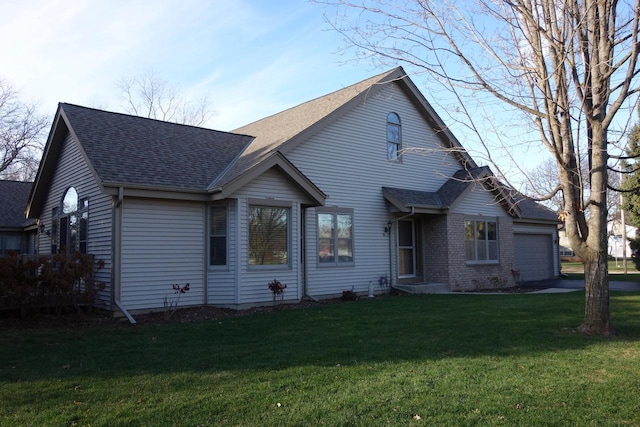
<point x="21" y="128"/>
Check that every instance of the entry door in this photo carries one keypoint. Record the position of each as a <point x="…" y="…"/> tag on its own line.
<point x="406" y="249"/>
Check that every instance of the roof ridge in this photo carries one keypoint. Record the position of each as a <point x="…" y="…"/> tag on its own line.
<point x="377" y="77"/>
<point x="134" y="116"/>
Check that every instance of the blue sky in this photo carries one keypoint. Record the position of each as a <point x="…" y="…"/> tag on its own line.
<point x="251" y="57"/>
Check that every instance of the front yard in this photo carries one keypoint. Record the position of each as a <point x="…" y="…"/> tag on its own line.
<point x="405" y="360"/>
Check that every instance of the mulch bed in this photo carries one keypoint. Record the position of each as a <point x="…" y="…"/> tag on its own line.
<point x="69" y="319"/>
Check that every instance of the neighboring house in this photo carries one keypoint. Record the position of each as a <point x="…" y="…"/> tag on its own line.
<point x="618" y="246"/>
<point x="17" y="234"/>
<point x="319" y="196"/>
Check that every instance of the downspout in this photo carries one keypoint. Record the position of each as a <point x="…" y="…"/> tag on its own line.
<point x="117" y="255"/>
<point x="389" y="224"/>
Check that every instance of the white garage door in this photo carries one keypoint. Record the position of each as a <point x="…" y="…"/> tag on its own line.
<point x="533" y="256"/>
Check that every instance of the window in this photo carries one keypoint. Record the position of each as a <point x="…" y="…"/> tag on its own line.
<point x="218" y="235"/>
<point x="69" y="224"/>
<point x="10" y="242"/>
<point x="55" y="229"/>
<point x="268" y="235"/>
<point x="335" y="238"/>
<point x="481" y="241"/>
<point x="394" y="138"/>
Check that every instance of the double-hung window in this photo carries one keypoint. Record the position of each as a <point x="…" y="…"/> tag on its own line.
<point x="335" y="238"/>
<point x="481" y="241"/>
<point x="269" y="235"/>
<point x="218" y="216"/>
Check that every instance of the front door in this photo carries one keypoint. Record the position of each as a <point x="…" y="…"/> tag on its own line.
<point x="406" y="248"/>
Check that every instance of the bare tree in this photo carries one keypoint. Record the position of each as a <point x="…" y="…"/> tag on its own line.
<point x="567" y="66"/>
<point x="21" y="128"/>
<point x="149" y="95"/>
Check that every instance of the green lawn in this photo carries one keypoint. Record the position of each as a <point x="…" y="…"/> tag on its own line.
<point x="500" y="360"/>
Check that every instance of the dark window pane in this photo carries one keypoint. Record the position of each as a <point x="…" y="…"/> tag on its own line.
<point x="268" y="235"/>
<point x="492" y="231"/>
<point x="218" y="250"/>
<point x="405" y="233"/>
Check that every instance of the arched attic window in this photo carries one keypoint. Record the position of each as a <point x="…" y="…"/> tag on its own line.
<point x="70" y="223"/>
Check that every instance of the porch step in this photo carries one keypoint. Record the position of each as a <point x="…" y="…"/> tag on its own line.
<point x="423" y="288"/>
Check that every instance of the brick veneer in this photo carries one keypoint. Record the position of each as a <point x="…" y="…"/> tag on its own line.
<point x="445" y="260"/>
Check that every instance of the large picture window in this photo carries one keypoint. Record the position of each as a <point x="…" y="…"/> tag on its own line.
<point x="218" y="235"/>
<point x="268" y="235"/>
<point x="335" y="238"/>
<point x="481" y="241"/>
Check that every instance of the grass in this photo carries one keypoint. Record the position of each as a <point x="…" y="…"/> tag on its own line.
<point x="407" y="361"/>
<point x="575" y="271"/>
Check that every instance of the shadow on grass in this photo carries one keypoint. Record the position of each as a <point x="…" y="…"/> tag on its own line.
<point x="393" y="329"/>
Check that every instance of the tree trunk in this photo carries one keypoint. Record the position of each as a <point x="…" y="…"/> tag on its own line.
<point x="597" y="318"/>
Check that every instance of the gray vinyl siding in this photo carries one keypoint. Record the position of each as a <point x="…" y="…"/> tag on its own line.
<point x="73" y="171"/>
<point x="478" y="201"/>
<point x="348" y="161"/>
<point x="162" y="244"/>
<point x="221" y="280"/>
<point x="273" y="188"/>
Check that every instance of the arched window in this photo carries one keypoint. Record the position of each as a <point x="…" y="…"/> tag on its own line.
<point x="394" y="137"/>
<point x="69" y="224"/>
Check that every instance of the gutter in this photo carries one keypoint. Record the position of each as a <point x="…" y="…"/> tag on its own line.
<point x="117" y="254"/>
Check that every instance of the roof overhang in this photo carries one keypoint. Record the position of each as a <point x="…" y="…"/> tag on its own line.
<point x="405" y="201"/>
<point x="275" y="160"/>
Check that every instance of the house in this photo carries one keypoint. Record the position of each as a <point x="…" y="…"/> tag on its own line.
<point x="17" y="234"/>
<point x="320" y="196"/>
<point x="618" y="239"/>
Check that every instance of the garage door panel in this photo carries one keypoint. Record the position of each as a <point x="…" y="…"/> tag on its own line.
<point x="534" y="256"/>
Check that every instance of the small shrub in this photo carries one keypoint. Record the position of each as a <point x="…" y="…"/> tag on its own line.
<point x="171" y="304"/>
<point x="277" y="291"/>
<point x="349" y="296"/>
<point x="497" y="282"/>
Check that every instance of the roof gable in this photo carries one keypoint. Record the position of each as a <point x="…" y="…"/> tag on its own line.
<point x="284" y="130"/>
<point x="130" y="150"/>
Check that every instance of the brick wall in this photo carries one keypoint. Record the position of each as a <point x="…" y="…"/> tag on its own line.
<point x="436" y="255"/>
<point x="463" y="276"/>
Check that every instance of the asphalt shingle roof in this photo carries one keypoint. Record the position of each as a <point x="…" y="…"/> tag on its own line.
<point x="13" y="200"/>
<point x="139" y="151"/>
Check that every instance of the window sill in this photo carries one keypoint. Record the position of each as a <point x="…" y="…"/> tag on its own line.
<point x="334" y="265"/>
<point x="480" y="263"/>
